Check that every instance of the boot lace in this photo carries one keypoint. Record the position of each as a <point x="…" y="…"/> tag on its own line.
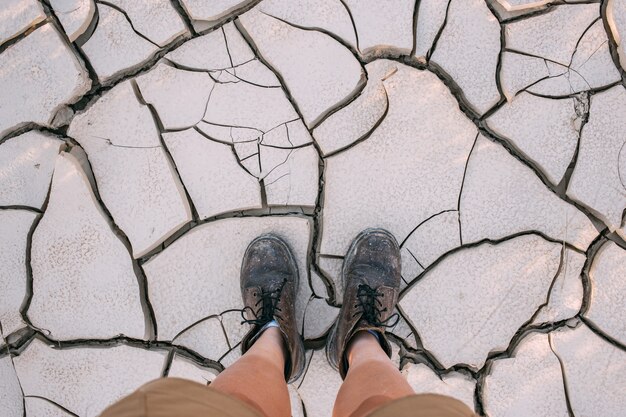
<point x="264" y="310"/>
<point x="371" y="308"/>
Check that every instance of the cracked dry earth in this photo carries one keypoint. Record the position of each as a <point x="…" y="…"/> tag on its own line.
<point x="144" y="143"/>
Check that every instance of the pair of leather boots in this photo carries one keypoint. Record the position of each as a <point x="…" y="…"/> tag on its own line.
<point x="371" y="280"/>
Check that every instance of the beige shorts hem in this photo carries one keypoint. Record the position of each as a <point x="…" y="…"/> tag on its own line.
<point x="168" y="397"/>
<point x="424" y="405"/>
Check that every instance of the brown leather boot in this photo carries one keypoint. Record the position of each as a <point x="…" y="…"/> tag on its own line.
<point x="371" y="278"/>
<point x="269" y="283"/>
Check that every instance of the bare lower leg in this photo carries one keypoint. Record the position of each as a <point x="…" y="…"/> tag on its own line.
<point x="258" y="377"/>
<point x="372" y="379"/>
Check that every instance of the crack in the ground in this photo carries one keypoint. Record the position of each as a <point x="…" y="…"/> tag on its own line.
<point x="353" y="95"/>
<point x="424" y="221"/>
<point x="498" y="74"/>
<point x="416" y="7"/>
<point x="148" y="311"/>
<point x="215" y="24"/>
<point x="356" y="33"/>
<point x="591" y="253"/>
<point x="481" y="242"/>
<point x="505" y="16"/>
<point x="151" y="345"/>
<point x="73" y="46"/>
<point x="292" y="211"/>
<point x="128" y="19"/>
<point x="231" y="145"/>
<point x="55" y="404"/>
<point x="110" y="143"/>
<point x="28" y="296"/>
<point x="568" y="69"/>
<point x="316" y="216"/>
<point x="205" y="70"/>
<point x="414" y="63"/>
<point x="248" y="81"/>
<point x="22" y="34"/>
<point x="416" y="260"/>
<point x="433" y="46"/>
<point x="317" y="212"/>
<point x="19" y="207"/>
<point x="458" y="204"/>
<point x="367" y="134"/>
<point x="89" y="31"/>
<point x="230" y="57"/>
<point x="590" y="91"/>
<point x="168" y="363"/>
<point x="613" y="44"/>
<point x="602" y="334"/>
<point x="581" y="106"/>
<point x="177" y="5"/>
<point x="562" y="268"/>
<point x="568" y="403"/>
<point x="170" y="160"/>
<point x="4" y="352"/>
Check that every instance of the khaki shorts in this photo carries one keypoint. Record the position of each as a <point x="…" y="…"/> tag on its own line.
<point x="175" y="397"/>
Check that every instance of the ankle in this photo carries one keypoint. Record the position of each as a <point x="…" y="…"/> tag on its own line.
<point x="271" y="343"/>
<point x="364" y="346"/>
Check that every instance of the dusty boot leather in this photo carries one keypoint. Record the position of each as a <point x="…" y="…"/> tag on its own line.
<point x="269" y="284"/>
<point x="371" y="276"/>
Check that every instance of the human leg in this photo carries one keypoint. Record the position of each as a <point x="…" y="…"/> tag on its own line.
<point x="358" y="347"/>
<point x="372" y="379"/>
<point x="371" y="275"/>
<point x="271" y="355"/>
<point x="273" y="351"/>
<point x="258" y="377"/>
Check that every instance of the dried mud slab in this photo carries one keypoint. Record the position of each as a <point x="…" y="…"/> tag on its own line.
<point x="616" y="17"/>
<point x="75" y="16"/>
<point x="508" y="390"/>
<point x="414" y="159"/>
<point x="74" y="247"/>
<point x="15" y="226"/>
<point x="51" y="85"/>
<point x="114" y="47"/>
<point x="318" y="71"/>
<point x="502" y="197"/>
<point x="608" y="291"/>
<point x="468" y="52"/>
<point x="599" y="177"/>
<point x="571" y="55"/>
<point x="136" y="179"/>
<point x="17" y="16"/>
<point x="86" y="380"/>
<point x="26" y="165"/>
<point x="473" y="302"/>
<point x="595" y="375"/>
<point x="11" y="400"/>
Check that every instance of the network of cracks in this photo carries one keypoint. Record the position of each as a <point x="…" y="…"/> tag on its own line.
<point x="144" y="144"/>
